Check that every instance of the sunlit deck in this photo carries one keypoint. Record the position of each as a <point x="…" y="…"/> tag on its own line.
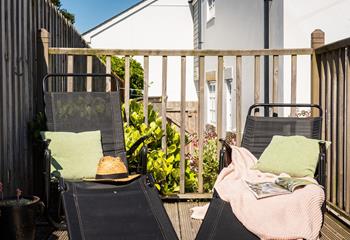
<point x="187" y="228"/>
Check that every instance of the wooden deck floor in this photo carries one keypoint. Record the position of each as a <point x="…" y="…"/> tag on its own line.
<point x="187" y="228"/>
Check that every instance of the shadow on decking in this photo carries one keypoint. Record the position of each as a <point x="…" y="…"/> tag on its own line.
<point x="187" y="228"/>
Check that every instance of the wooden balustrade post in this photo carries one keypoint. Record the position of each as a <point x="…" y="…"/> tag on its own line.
<point x="317" y="40"/>
<point x="201" y="121"/>
<point x="127" y="87"/>
<point x="43" y="66"/>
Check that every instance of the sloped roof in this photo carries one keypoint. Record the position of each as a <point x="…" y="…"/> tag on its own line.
<point x="122" y="15"/>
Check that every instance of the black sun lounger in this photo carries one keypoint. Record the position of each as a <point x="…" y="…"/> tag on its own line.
<point x="101" y="211"/>
<point x="94" y="210"/>
<point x="220" y="222"/>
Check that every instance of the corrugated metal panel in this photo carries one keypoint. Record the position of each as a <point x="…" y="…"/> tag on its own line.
<point x="20" y="89"/>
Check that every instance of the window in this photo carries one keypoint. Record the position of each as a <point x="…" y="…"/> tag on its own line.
<point x="212" y="102"/>
<point x="210" y="10"/>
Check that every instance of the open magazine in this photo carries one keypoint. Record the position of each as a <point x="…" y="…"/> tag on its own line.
<point x="282" y="185"/>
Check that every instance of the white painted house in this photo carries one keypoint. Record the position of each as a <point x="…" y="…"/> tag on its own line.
<point x="152" y="24"/>
<point x="300" y="19"/>
<point x="238" y="24"/>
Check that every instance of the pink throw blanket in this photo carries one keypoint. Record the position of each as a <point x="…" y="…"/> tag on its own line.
<point x="291" y="216"/>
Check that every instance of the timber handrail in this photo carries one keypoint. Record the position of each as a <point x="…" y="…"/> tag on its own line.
<point x="333" y="46"/>
<point x="180" y="53"/>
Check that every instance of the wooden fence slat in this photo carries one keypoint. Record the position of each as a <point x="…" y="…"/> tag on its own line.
<point x="14" y="91"/>
<point x="201" y="120"/>
<point x="183" y="124"/>
<point x="257" y="81"/>
<point x="127" y="87"/>
<point x="323" y="60"/>
<point x="293" y="80"/>
<point x="328" y="126"/>
<point x="238" y="100"/>
<point x="70" y="69"/>
<point x="340" y="129"/>
<point x="164" y="99"/>
<point x="89" y="70"/>
<point x="334" y="127"/>
<point x="219" y="97"/>
<point x="275" y="80"/>
<point x="109" y="71"/>
<point x="145" y="87"/>
<point x="347" y="127"/>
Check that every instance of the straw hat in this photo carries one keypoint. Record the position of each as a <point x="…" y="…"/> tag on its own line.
<point x="112" y="169"/>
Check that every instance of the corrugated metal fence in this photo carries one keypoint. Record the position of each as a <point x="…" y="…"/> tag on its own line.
<point x="20" y="86"/>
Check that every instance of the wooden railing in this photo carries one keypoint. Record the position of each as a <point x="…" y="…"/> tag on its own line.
<point x="334" y="80"/>
<point x="238" y="55"/>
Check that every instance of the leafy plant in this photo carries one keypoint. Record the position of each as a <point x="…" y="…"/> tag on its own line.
<point x="136" y="73"/>
<point x="36" y="126"/>
<point x="19" y="201"/>
<point x="165" y="168"/>
<point x="210" y="160"/>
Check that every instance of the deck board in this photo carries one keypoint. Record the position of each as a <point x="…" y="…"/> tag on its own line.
<point x="187" y="228"/>
<point x="173" y="212"/>
<point x="333" y="229"/>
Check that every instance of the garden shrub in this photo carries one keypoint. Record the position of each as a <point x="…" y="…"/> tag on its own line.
<point x="165" y="168"/>
<point x="136" y="73"/>
<point x="210" y="157"/>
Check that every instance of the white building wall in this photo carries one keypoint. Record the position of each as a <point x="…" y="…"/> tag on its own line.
<point x="240" y="25"/>
<point x="301" y="18"/>
<point x="163" y="24"/>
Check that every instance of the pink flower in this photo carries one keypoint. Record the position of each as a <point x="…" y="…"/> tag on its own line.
<point x="18" y="194"/>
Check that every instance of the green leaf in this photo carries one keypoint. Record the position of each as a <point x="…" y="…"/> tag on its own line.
<point x="157" y="186"/>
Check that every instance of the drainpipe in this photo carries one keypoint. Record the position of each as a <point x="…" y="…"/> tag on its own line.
<point x="266" y="58"/>
<point x="200" y="24"/>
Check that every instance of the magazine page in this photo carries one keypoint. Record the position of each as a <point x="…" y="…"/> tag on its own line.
<point x="265" y="189"/>
<point x="292" y="183"/>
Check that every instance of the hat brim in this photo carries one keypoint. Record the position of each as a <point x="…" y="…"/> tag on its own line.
<point x="127" y="179"/>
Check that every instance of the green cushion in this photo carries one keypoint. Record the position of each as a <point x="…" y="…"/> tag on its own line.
<point x="294" y="155"/>
<point x="75" y="155"/>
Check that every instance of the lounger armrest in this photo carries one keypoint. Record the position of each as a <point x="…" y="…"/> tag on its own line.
<point x="143" y="157"/>
<point x="143" y="154"/>
<point x="133" y="148"/>
<point x="321" y="178"/>
<point x="225" y="155"/>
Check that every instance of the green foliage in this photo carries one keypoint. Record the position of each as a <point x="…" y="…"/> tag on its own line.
<point x="69" y="16"/>
<point x="36" y="126"/>
<point x="210" y="164"/>
<point x="57" y="3"/>
<point x="136" y="73"/>
<point x="210" y="158"/>
<point x="165" y="168"/>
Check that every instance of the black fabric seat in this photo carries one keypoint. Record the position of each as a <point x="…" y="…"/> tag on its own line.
<point x="94" y="210"/>
<point x="101" y="211"/>
<point x="219" y="221"/>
